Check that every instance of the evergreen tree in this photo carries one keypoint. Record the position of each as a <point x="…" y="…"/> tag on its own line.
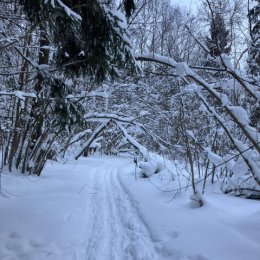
<point x="89" y="35"/>
<point x="77" y="38"/>
<point x="254" y="44"/>
<point x="218" y="41"/>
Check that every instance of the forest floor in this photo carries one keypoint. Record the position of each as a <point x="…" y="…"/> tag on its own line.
<point x="95" y="209"/>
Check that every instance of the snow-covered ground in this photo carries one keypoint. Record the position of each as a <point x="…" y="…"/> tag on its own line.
<point x="94" y="209"/>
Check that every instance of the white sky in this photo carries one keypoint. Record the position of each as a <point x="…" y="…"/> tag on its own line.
<point x="187" y="3"/>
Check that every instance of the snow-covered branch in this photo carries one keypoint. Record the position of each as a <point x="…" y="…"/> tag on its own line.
<point x="133" y="142"/>
<point x="247" y="157"/>
<point x="66" y="9"/>
<point x="93" y="136"/>
<point x="184" y="71"/>
<point x="19" y="94"/>
<point x="105" y="117"/>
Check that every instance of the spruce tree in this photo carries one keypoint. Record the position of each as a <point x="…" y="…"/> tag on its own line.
<point x="218" y="42"/>
<point x="254" y="44"/>
<point x="90" y="36"/>
<point x="76" y="38"/>
<point x="254" y="56"/>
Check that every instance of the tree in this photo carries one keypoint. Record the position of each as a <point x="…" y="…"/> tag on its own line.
<point x="218" y="42"/>
<point x="90" y="37"/>
<point x="254" y="43"/>
<point x="87" y="39"/>
<point x="254" y="55"/>
<point x="224" y="18"/>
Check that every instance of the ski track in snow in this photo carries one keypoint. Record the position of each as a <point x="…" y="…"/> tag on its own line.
<point x="95" y="219"/>
<point x="94" y="209"/>
<point x="115" y="229"/>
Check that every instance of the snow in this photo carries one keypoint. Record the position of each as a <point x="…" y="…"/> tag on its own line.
<point x="121" y="19"/>
<point x="82" y="53"/>
<point x="80" y="135"/>
<point x="158" y="58"/>
<point x="69" y="83"/>
<point x="240" y="168"/>
<point x="251" y="157"/>
<point x="240" y="113"/>
<point x="102" y="94"/>
<point x="47" y="47"/>
<point x="66" y="9"/>
<point x="224" y="100"/>
<point x="19" y="94"/>
<point x="203" y="108"/>
<point x="43" y="66"/>
<point x="144" y="113"/>
<point x="196" y="200"/>
<point x="225" y="59"/>
<point x="219" y="230"/>
<point x="95" y="143"/>
<point x="182" y="69"/>
<point x="149" y="168"/>
<point x="94" y="208"/>
<point x="191" y="134"/>
<point x="93" y="136"/>
<point x="220" y="131"/>
<point x="214" y="158"/>
<point x="192" y="88"/>
<point x="105" y="116"/>
<point x="230" y="163"/>
<point x="1" y="27"/>
<point x="133" y="142"/>
<point x="253" y="133"/>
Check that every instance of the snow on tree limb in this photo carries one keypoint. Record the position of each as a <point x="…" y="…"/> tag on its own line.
<point x="237" y="144"/>
<point x="133" y="142"/>
<point x="66" y="9"/>
<point x="105" y="117"/>
<point x="188" y="73"/>
<point x="18" y="94"/>
<point x="94" y="135"/>
<point x="182" y="69"/>
<point x="157" y="58"/>
<point x="102" y="117"/>
<point x="253" y="91"/>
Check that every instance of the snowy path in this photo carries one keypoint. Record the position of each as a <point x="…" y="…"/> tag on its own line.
<point x="78" y="211"/>
<point x="115" y="229"/>
<point x="94" y="209"/>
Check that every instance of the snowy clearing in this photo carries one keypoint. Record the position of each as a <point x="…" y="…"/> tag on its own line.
<point x="94" y="209"/>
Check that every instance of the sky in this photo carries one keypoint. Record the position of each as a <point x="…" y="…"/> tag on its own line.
<point x="186" y="3"/>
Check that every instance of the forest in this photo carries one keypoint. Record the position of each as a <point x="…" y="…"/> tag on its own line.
<point x="133" y="77"/>
<point x="112" y="112"/>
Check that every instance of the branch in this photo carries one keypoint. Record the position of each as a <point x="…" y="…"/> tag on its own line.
<point x="134" y="143"/>
<point x="94" y="135"/>
<point x="184" y="71"/>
